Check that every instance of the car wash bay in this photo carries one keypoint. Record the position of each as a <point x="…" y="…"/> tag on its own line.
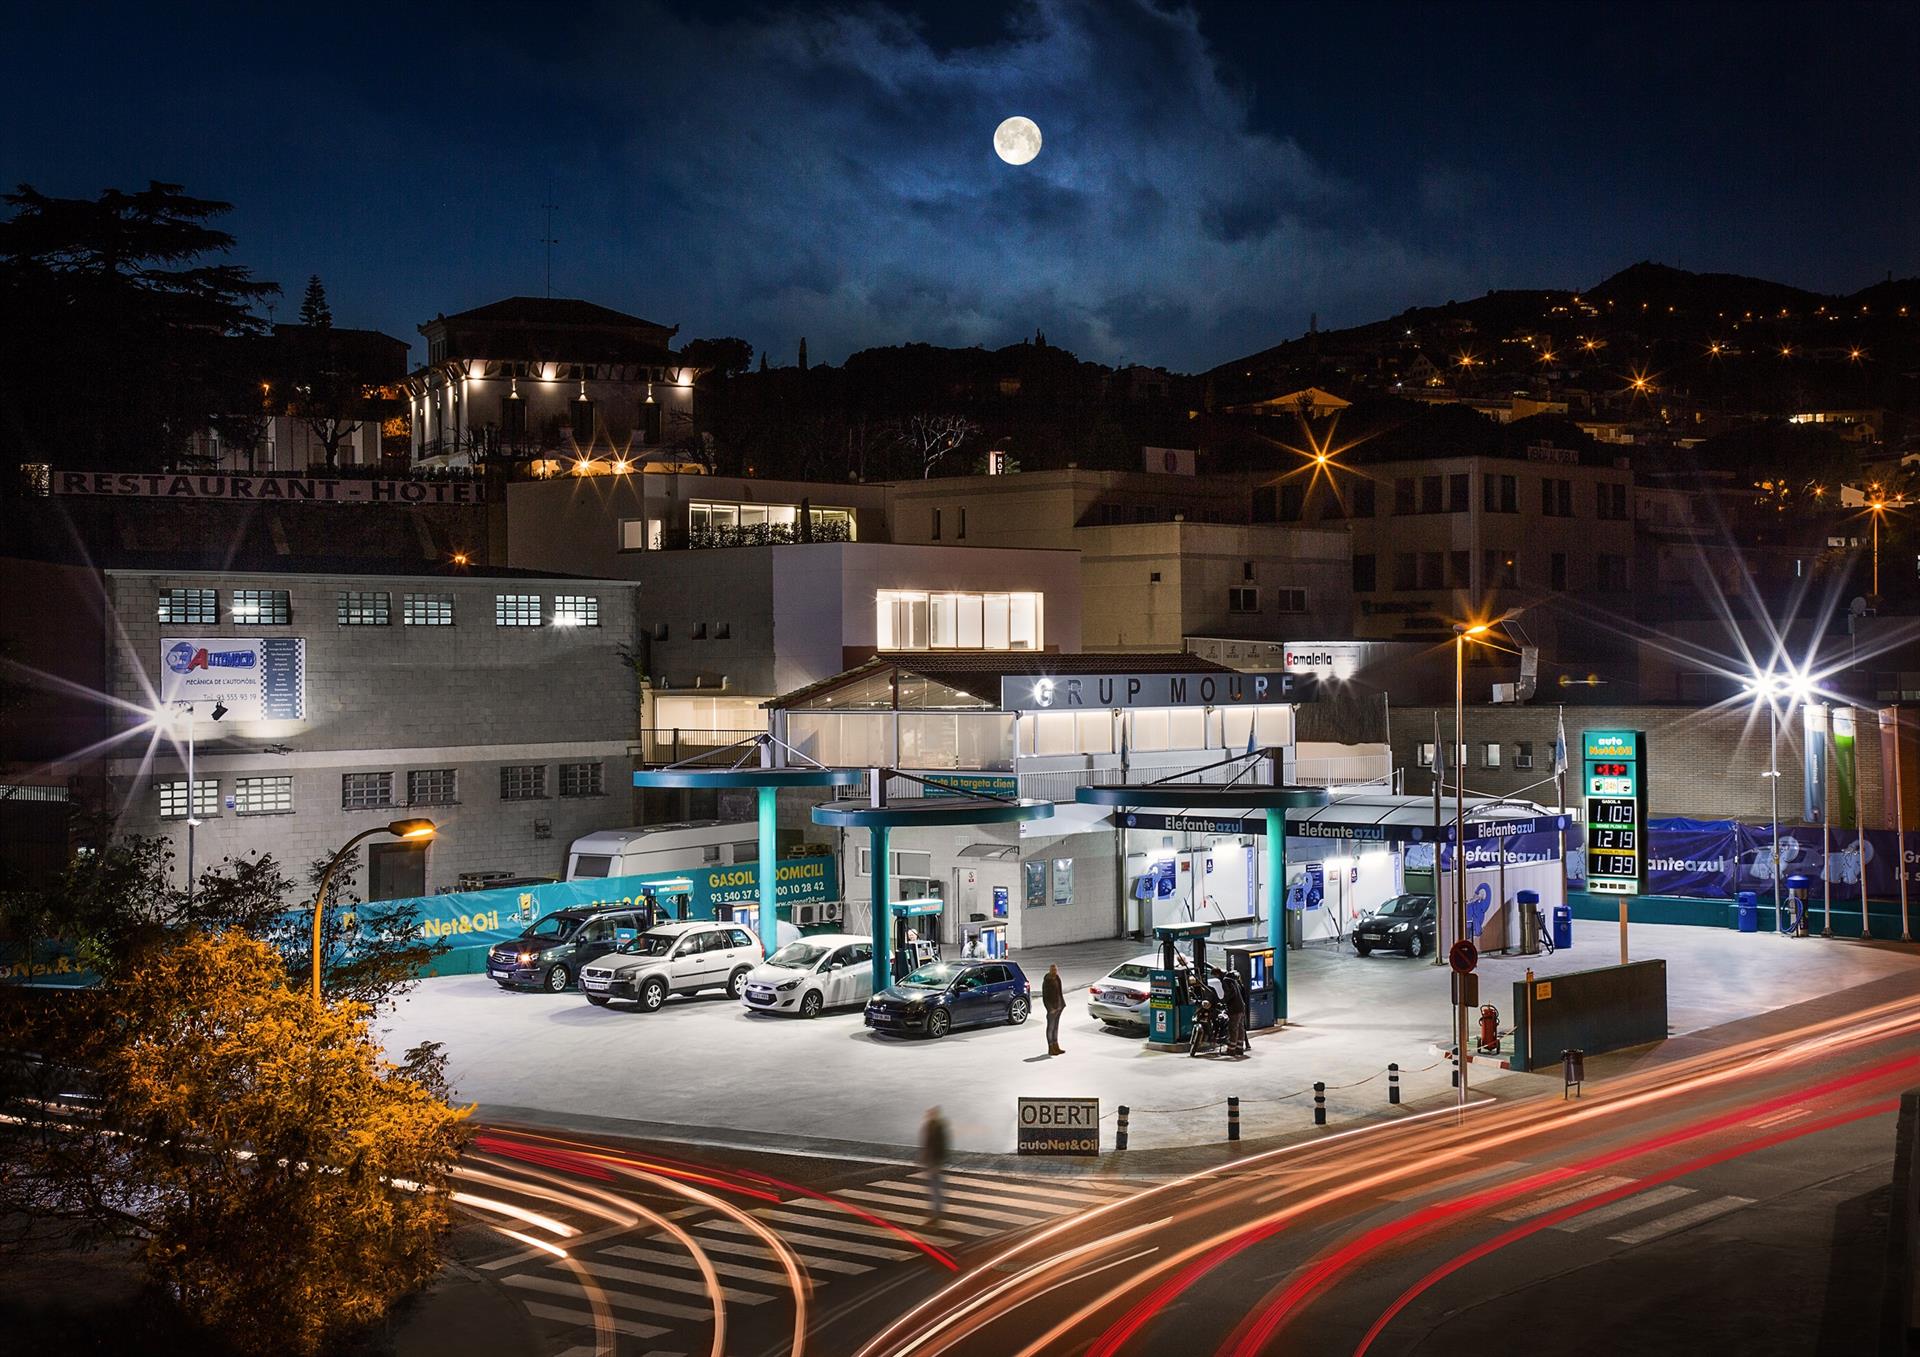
<point x="1343" y="860"/>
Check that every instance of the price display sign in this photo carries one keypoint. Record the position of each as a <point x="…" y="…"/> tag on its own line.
<point x="1615" y="766"/>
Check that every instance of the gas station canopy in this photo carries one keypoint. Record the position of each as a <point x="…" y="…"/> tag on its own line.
<point x="1275" y="801"/>
<point x="767" y="780"/>
<point x="880" y="820"/>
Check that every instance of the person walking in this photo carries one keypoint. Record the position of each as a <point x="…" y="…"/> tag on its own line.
<point x="1053" y="998"/>
<point x="936" y="1143"/>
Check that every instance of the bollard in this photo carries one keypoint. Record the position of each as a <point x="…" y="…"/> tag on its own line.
<point x="1120" y="1130"/>
<point x="1233" y="1119"/>
<point x="1319" y="1104"/>
<point x="1393" y="1084"/>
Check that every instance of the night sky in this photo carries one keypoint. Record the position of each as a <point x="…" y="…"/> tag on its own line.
<point x="1210" y="177"/>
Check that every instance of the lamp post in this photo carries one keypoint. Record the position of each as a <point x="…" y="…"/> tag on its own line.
<point x="400" y="829"/>
<point x="1460" y="634"/>
<point x="193" y="813"/>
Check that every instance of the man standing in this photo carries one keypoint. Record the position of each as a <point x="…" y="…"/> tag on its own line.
<point x="935" y="1145"/>
<point x="1053" y="998"/>
<point x="1236" y="1000"/>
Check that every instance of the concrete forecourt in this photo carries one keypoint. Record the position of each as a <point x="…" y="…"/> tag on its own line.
<point x="704" y="1070"/>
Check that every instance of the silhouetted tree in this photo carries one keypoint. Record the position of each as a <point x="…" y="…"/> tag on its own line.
<point x="121" y="297"/>
<point x="314" y="311"/>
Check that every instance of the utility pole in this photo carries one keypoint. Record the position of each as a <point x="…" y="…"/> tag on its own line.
<point x="549" y="240"/>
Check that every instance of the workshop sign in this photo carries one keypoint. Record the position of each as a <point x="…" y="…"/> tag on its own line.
<point x="1058" y="1126"/>
<point x="262" y="678"/>
<point x="267" y="489"/>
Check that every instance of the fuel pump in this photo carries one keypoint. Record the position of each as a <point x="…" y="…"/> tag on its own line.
<point x="910" y="916"/>
<point x="1174" y="990"/>
<point x="1253" y="963"/>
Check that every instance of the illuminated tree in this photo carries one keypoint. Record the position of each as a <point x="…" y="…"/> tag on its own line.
<point x="280" y="1179"/>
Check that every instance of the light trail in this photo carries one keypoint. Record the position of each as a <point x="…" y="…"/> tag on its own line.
<point x="1600" y="1199"/>
<point x="949" y="1316"/>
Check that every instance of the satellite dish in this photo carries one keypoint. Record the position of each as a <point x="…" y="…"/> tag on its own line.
<point x="1858" y="607"/>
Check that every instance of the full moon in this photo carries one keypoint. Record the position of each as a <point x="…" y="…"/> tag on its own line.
<point x="1017" y="140"/>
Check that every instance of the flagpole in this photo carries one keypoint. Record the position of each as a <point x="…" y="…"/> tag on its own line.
<point x="1439" y="771"/>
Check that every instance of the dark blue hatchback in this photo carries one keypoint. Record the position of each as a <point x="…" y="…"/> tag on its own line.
<point x="943" y="995"/>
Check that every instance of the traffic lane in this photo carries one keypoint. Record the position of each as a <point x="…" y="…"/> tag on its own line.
<point x="1780" y="1250"/>
<point x="1698" y="1081"/>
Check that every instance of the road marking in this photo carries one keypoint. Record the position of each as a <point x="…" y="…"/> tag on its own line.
<point x="1781" y="1118"/>
<point x="1074" y="1195"/>
<point x="837" y="1223"/>
<point x="667" y="1258"/>
<point x="1681" y="1220"/>
<point x="555" y="1286"/>
<point x="815" y="1263"/>
<point x="585" y="1319"/>
<point x="903" y="1201"/>
<point x="967" y="1192"/>
<point x="684" y="1285"/>
<point x="1643" y="1201"/>
<point x="1592" y="1187"/>
<point x="860" y="1248"/>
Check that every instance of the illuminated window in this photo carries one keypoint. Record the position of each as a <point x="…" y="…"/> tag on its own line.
<point x="364" y="791"/>
<point x="576" y="610"/>
<point x="190" y="605"/>
<point x="430" y="787"/>
<point x="911" y="620"/>
<point x="173" y="798"/>
<point x="516" y="610"/>
<point x="427" y="610"/>
<point x="359" y="609"/>
<point x="261" y="608"/>
<point x="263" y="795"/>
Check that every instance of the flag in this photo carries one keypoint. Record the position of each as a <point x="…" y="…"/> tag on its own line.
<point x="1252" y="748"/>
<point x="1560" y="745"/>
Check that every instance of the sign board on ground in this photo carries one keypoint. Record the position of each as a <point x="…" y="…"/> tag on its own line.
<point x="1058" y="1126"/>
<point x="1614" y="768"/>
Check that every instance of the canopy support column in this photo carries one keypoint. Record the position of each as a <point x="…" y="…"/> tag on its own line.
<point x="882" y="910"/>
<point x="1277" y="906"/>
<point x="769" y="869"/>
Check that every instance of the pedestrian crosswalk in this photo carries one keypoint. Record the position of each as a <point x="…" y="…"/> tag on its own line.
<point x="1697" y="1210"/>
<point x="657" y="1294"/>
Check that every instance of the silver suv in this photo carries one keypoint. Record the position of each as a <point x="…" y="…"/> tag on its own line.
<point x="678" y="958"/>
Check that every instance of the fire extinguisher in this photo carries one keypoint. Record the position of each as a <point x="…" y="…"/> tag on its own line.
<point x="1489" y="1028"/>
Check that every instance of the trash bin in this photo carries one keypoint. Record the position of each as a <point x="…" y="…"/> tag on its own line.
<point x="1562" y="927"/>
<point x="1527" y="905"/>
<point x="1746" y="906"/>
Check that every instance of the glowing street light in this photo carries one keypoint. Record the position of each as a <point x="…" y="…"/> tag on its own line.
<point x="415" y="830"/>
<point x="1462" y="632"/>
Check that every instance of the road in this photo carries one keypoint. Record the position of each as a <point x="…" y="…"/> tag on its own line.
<point x="1722" y="1190"/>
<point x="1549" y="1223"/>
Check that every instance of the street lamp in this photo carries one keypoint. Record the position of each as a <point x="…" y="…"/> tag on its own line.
<point x="193" y="815"/>
<point x="1461" y="631"/>
<point x="417" y="830"/>
<point x="1771" y="687"/>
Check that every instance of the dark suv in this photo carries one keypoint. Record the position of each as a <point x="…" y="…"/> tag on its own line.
<point x="549" y="955"/>
<point x="943" y="995"/>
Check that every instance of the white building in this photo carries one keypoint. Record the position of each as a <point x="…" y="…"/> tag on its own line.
<point x="547" y="378"/>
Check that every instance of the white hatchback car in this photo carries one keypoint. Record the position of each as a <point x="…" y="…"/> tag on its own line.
<point x="679" y="958"/>
<point x="827" y="970"/>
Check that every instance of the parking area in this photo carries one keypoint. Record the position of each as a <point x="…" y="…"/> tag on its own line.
<point x="705" y="1067"/>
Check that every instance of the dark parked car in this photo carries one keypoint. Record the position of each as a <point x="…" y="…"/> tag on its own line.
<point x="1405" y="923"/>
<point x="549" y="955"/>
<point x="944" y="995"/>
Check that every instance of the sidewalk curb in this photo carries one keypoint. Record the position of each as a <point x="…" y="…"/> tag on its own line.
<point x="463" y="1311"/>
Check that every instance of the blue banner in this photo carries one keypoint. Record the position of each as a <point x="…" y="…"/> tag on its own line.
<point x="473" y="921"/>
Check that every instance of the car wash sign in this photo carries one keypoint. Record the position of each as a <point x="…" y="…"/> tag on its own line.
<point x="257" y="679"/>
<point x="1614" y="779"/>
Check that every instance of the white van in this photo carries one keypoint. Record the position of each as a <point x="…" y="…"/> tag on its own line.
<point x="680" y="847"/>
